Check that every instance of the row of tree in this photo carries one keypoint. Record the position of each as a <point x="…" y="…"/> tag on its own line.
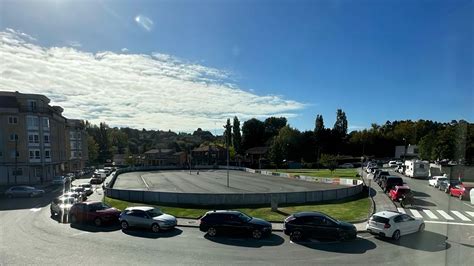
<point x="436" y="141"/>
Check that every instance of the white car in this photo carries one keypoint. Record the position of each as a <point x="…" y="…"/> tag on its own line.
<point x="435" y="180"/>
<point x="394" y="224"/>
<point x="392" y="163"/>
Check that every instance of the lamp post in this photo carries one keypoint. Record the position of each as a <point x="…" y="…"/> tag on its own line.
<point x="404" y="149"/>
<point x="226" y="133"/>
<point x="16" y="157"/>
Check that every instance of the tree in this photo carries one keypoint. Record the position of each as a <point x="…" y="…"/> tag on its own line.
<point x="319" y="124"/>
<point x="237" y="137"/>
<point x="253" y="134"/>
<point x="273" y="126"/>
<point x="104" y="144"/>
<point x="228" y="132"/>
<point x="426" y="147"/>
<point x="93" y="149"/>
<point x="328" y="161"/>
<point x="341" y="123"/>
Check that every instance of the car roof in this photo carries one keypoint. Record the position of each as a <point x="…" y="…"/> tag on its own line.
<point x="305" y="214"/>
<point x="402" y="187"/>
<point x="223" y="212"/>
<point x="90" y="202"/>
<point x="141" y="208"/>
<point x="387" y="214"/>
<point x="393" y="177"/>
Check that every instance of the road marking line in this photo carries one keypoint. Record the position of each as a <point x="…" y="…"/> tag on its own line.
<point x="470" y="213"/>
<point x="35" y="209"/>
<point x="439" y="222"/>
<point x="430" y="214"/>
<point x="468" y="205"/>
<point x="461" y="216"/>
<point x="445" y="215"/>
<point x="416" y="213"/>
<point x="401" y="210"/>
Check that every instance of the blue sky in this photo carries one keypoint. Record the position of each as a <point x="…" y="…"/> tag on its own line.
<point x="377" y="60"/>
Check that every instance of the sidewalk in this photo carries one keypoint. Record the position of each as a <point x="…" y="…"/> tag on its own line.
<point x="381" y="200"/>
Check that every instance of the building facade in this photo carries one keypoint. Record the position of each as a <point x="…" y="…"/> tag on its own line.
<point x="165" y="157"/>
<point x="209" y="155"/>
<point x="76" y="145"/>
<point x="410" y="152"/>
<point x="33" y="139"/>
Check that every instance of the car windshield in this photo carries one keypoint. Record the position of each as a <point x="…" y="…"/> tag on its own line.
<point x="244" y="217"/>
<point x="154" y="212"/>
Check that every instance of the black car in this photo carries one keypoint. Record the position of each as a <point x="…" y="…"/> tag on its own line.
<point x="390" y="182"/>
<point x="447" y="184"/>
<point x="233" y="222"/>
<point x="380" y="174"/>
<point x="317" y="225"/>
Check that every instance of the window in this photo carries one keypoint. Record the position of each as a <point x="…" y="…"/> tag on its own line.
<point x="37" y="154"/>
<point x="13" y="137"/>
<point x="33" y="138"/>
<point x="46" y="138"/>
<point x="32" y="105"/>
<point x="45" y="122"/>
<point x="72" y="135"/>
<point x="47" y="154"/>
<point x="32" y="121"/>
<point x="12" y="120"/>
<point x="12" y="154"/>
<point x="18" y="171"/>
<point x="32" y="154"/>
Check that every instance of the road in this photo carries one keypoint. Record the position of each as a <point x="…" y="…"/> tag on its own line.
<point x="29" y="235"/>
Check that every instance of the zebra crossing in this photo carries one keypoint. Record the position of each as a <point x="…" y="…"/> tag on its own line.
<point x="436" y="215"/>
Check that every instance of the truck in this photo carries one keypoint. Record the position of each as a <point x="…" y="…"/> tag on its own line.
<point x="417" y="168"/>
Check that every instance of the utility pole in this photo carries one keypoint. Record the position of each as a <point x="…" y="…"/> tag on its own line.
<point x="16" y="157"/>
<point x="227" y="150"/>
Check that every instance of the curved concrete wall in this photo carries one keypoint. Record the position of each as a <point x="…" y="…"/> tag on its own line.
<point x="228" y="199"/>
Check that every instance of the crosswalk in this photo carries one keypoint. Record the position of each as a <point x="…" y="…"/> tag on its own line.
<point x="436" y="215"/>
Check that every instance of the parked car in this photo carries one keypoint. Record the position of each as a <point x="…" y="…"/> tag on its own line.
<point x="435" y="180"/>
<point x="146" y="217"/>
<point x="380" y="174"/>
<point x="392" y="164"/>
<point x="96" y="180"/>
<point x="447" y="184"/>
<point x="233" y="222"/>
<point x="394" y="224"/>
<point x="346" y="165"/>
<point x="79" y="190"/>
<point x="400" y="169"/>
<point x="93" y="211"/>
<point x="389" y="182"/>
<point x="460" y="191"/>
<point x="60" y="180"/>
<point x="398" y="191"/>
<point x="23" y="191"/>
<point x="61" y="205"/>
<point x="87" y="188"/>
<point x="72" y="194"/>
<point x="317" y="225"/>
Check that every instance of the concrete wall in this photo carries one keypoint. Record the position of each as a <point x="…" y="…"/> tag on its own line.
<point x="229" y="199"/>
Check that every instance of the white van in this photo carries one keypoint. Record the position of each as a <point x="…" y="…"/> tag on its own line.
<point x="417" y="168"/>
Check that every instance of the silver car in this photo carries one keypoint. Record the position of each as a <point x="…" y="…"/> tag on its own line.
<point x="146" y="217"/>
<point x="61" y="205"/>
<point x="24" y="191"/>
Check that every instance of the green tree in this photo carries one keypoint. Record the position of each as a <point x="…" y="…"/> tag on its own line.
<point x="340" y="126"/>
<point x="253" y="134"/>
<point x="228" y="132"/>
<point x="329" y="161"/>
<point x="104" y="144"/>
<point x="237" y="136"/>
<point x="273" y="126"/>
<point x="319" y="124"/>
<point x="93" y="149"/>
<point x="426" y="147"/>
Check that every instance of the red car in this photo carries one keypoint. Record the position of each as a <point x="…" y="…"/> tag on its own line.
<point x="93" y="211"/>
<point x="460" y="191"/>
<point x="398" y="191"/>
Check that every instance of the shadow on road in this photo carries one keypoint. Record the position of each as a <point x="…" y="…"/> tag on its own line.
<point x="425" y="241"/>
<point x="420" y="202"/>
<point x="29" y="203"/>
<point x="148" y="234"/>
<point x="420" y="194"/>
<point x="95" y="229"/>
<point x="272" y="240"/>
<point x="357" y="246"/>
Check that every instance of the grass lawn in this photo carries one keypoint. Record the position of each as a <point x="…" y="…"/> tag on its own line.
<point x="347" y="210"/>
<point x="346" y="173"/>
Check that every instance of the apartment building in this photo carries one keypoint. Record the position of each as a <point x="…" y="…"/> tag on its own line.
<point x="34" y="139"/>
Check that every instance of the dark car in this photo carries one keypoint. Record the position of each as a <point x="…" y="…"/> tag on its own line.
<point x="379" y="175"/>
<point x="234" y="222"/>
<point x="447" y="184"/>
<point x="93" y="211"/>
<point x="317" y="225"/>
<point x="390" y="182"/>
<point x="23" y="191"/>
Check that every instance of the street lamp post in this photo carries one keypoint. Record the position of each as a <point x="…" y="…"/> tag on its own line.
<point x="16" y="157"/>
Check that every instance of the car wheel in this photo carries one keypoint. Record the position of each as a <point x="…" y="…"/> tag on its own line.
<point x="124" y="225"/>
<point x="97" y="221"/>
<point x="257" y="234"/>
<point x="73" y="219"/>
<point x="155" y="228"/>
<point x="296" y="236"/>
<point x="460" y="197"/>
<point x="446" y="190"/>
<point x="421" y="228"/>
<point x="211" y="232"/>
<point x="396" y="235"/>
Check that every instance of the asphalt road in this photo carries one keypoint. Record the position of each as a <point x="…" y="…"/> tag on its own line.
<point x="28" y="235"/>
<point x="214" y="181"/>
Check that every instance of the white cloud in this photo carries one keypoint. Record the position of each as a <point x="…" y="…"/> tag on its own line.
<point x="74" y="44"/>
<point x="145" y="22"/>
<point x="124" y="50"/>
<point x="142" y="91"/>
